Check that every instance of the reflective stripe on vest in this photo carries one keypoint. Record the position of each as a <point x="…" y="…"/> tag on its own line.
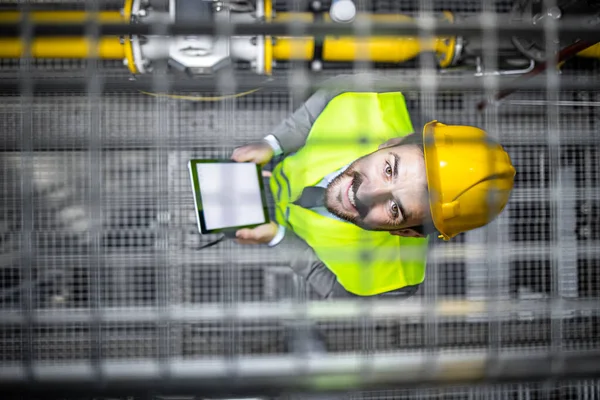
<point x="351" y="126"/>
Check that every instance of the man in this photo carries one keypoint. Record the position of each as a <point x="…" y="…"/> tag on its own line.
<point x="359" y="190"/>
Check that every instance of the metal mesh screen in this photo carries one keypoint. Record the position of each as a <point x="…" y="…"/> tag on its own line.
<point x="102" y="278"/>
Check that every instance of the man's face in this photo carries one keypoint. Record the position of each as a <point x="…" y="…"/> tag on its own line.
<point x="385" y="190"/>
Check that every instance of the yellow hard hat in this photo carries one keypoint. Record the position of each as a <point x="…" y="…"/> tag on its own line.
<point x="470" y="177"/>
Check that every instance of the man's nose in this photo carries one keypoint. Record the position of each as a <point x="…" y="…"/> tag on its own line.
<point x="370" y="195"/>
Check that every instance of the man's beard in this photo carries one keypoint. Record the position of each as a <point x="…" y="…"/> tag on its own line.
<point x="334" y="202"/>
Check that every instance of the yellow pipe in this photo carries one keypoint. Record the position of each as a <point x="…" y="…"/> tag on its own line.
<point x="293" y="48"/>
<point x="67" y="47"/>
<point x="62" y="16"/>
<point x="63" y="47"/>
<point x="375" y="49"/>
<point x="335" y="49"/>
<point x="268" y="56"/>
<point x="127" y="10"/>
<point x="591" y="52"/>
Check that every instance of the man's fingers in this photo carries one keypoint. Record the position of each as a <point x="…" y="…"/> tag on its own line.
<point x="267" y="174"/>
<point x="256" y="153"/>
<point x="239" y="155"/>
<point x="244" y="234"/>
<point x="261" y="234"/>
<point x="244" y="155"/>
<point x="252" y="235"/>
<point x="245" y="241"/>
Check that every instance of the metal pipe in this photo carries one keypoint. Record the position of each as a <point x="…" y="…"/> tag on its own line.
<point x="62" y="16"/>
<point x="75" y="48"/>
<point x="315" y="373"/>
<point x="395" y="49"/>
<point x="300" y="29"/>
<point x="391" y="49"/>
<point x="248" y="81"/>
<point x="342" y="310"/>
<point x="590" y="52"/>
<point x="563" y="55"/>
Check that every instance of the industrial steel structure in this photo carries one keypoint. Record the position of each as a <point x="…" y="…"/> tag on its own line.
<point x="105" y="292"/>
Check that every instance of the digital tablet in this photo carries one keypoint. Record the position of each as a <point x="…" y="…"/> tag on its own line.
<point x="228" y="195"/>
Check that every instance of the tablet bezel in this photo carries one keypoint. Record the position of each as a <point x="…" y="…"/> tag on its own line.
<point x="198" y="196"/>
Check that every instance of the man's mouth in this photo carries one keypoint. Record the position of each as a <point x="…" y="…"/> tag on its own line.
<point x="350" y="197"/>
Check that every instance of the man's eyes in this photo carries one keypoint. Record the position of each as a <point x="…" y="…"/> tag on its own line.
<point x="388" y="169"/>
<point x="394" y="209"/>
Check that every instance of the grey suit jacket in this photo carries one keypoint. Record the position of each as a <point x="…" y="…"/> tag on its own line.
<point x="291" y="135"/>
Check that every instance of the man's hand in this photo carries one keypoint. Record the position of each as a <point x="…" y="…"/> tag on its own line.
<point x="258" y="153"/>
<point x="262" y="234"/>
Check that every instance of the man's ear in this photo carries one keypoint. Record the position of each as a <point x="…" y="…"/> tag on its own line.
<point x="408" y="232"/>
<point x="391" y="142"/>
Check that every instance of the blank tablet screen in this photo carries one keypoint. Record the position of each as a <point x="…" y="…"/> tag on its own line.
<point x="231" y="195"/>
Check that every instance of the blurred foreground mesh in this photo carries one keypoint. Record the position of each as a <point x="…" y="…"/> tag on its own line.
<point x="98" y="238"/>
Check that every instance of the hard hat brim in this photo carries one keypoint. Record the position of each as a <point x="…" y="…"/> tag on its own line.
<point x="433" y="179"/>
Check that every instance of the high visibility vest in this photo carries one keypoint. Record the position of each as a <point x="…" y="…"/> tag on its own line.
<point x="352" y="125"/>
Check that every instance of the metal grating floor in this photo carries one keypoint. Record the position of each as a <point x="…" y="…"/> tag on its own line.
<point x="96" y="211"/>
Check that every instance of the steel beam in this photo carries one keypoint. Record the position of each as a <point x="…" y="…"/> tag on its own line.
<point x="584" y="28"/>
<point x="249" y="82"/>
<point x="316" y="311"/>
<point x="323" y="372"/>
